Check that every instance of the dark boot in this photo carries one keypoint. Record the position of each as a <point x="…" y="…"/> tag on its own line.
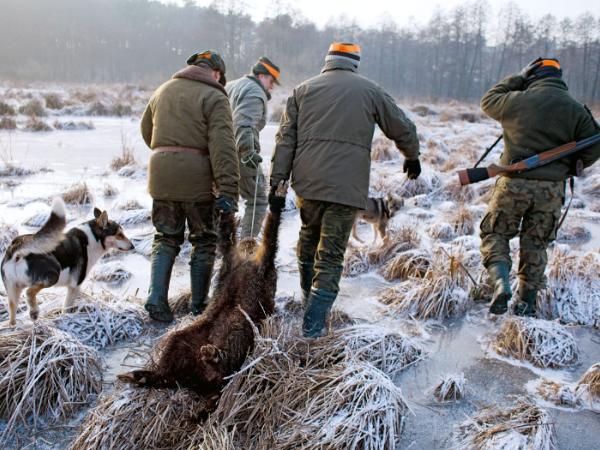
<point x="499" y="275"/>
<point x="200" y="273"/>
<point x="307" y="272"/>
<point x="526" y="302"/>
<point x="317" y="310"/>
<point x="157" y="304"/>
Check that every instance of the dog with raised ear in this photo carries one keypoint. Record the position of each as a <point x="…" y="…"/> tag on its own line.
<point x="51" y="257"/>
<point x="378" y="213"/>
<point x="204" y="353"/>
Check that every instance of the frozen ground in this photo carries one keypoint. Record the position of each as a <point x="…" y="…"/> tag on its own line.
<point x="451" y="135"/>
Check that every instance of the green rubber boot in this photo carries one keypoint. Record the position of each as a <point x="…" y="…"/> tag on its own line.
<point x="157" y="304"/>
<point x="499" y="274"/>
<point x="200" y="273"/>
<point x="317" y="310"/>
<point x="307" y="272"/>
<point x="526" y="302"/>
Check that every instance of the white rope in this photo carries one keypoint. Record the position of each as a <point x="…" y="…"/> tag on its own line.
<point x="254" y="203"/>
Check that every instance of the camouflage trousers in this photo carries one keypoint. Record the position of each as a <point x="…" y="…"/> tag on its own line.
<point x="323" y="239"/>
<point x="247" y="188"/>
<point x="170" y="218"/>
<point x="531" y="209"/>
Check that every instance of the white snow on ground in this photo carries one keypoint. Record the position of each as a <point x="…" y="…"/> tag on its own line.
<point x="61" y="158"/>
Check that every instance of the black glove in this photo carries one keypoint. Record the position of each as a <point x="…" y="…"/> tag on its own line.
<point x="527" y="71"/>
<point x="226" y="205"/>
<point x="276" y="202"/>
<point x="252" y="160"/>
<point x="412" y="169"/>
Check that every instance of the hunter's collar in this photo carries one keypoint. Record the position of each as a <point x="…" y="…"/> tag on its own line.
<point x="257" y="81"/>
<point x="201" y="74"/>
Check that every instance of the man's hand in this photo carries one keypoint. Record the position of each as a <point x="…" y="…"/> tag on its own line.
<point x="527" y="71"/>
<point x="251" y="160"/>
<point x="276" y="200"/>
<point x="412" y="169"/>
<point x="225" y="205"/>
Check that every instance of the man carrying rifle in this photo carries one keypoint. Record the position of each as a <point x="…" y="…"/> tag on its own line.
<point x="537" y="113"/>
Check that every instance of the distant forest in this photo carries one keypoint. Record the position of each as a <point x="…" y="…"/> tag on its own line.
<point x="458" y="53"/>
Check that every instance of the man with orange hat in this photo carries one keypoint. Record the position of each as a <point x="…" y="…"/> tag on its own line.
<point x="249" y="96"/>
<point x="537" y="113"/>
<point x="188" y="126"/>
<point x="324" y="144"/>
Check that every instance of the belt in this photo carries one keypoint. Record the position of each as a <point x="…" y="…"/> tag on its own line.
<point x="193" y="151"/>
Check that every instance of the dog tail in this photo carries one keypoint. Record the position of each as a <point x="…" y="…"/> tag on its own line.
<point x="51" y="233"/>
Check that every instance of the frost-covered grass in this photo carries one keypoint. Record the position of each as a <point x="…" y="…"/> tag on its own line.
<point x="78" y="194"/>
<point x="113" y="273"/>
<point x="7" y="234"/>
<point x="44" y="371"/>
<point x="142" y="418"/>
<point x="585" y="393"/>
<point x="541" y="342"/>
<point x="522" y="426"/>
<point x="451" y="388"/>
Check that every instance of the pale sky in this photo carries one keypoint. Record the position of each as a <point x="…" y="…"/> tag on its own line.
<point x="368" y="13"/>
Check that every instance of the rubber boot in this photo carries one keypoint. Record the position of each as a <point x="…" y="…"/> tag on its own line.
<point x="200" y="273"/>
<point x="307" y="272"/>
<point x="157" y="304"/>
<point x="316" y="314"/>
<point x="499" y="274"/>
<point x="526" y="302"/>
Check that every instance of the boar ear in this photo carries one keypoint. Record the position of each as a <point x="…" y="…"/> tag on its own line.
<point x="102" y="219"/>
<point x="97" y="213"/>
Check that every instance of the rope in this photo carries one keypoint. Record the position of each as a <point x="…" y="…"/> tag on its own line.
<point x="254" y="203"/>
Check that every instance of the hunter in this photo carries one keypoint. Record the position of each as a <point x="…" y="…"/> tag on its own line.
<point x="248" y="97"/>
<point x="189" y="127"/>
<point x="324" y="143"/>
<point x="537" y="113"/>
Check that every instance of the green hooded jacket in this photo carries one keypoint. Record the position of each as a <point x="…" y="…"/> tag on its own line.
<point x="191" y="110"/>
<point x="539" y="118"/>
<point x="324" y="138"/>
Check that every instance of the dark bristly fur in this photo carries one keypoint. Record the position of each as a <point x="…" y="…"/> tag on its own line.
<point x="201" y="355"/>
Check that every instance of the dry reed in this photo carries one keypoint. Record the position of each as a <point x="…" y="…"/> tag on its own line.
<point x="133" y="217"/>
<point x="411" y="263"/>
<point x="558" y="393"/>
<point x="44" y="371"/>
<point x="451" y="388"/>
<point x="523" y="426"/>
<point x="136" y="418"/>
<point x="181" y="304"/>
<point x="383" y="149"/>
<point x="109" y="190"/>
<point x="543" y="343"/>
<point x="462" y="221"/>
<point x="7" y="234"/>
<point x="356" y="260"/>
<point x="588" y="385"/>
<point x="440" y="294"/>
<point x="78" y="194"/>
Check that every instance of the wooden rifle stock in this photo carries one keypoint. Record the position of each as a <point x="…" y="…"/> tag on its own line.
<point x="474" y="175"/>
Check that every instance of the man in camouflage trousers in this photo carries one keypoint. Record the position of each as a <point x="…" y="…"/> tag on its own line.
<point x="188" y="126"/>
<point x="248" y="97"/>
<point x="537" y="113"/>
<point x="324" y="142"/>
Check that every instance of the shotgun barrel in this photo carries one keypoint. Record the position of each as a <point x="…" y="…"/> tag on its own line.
<point x="475" y="175"/>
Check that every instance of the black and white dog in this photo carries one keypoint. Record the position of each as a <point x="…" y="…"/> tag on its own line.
<point x="53" y="258"/>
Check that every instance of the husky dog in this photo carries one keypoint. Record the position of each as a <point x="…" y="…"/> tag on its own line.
<point x="52" y="258"/>
<point x="378" y="213"/>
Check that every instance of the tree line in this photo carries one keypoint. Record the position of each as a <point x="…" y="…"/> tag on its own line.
<point x="458" y="53"/>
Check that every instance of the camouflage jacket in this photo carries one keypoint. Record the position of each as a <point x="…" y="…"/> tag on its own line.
<point x="539" y="118"/>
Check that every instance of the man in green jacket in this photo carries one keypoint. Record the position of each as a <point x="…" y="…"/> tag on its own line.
<point x="324" y="142"/>
<point x="188" y="126"/>
<point x="537" y="113"/>
<point x="248" y="97"/>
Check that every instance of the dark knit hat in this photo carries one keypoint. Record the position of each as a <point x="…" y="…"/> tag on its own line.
<point x="266" y="67"/>
<point x="344" y="51"/>
<point x="212" y="59"/>
<point x="549" y="67"/>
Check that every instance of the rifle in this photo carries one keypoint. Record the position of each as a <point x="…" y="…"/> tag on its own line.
<point x="474" y="175"/>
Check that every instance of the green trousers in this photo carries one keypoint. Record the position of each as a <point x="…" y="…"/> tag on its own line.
<point x="170" y="218"/>
<point x="530" y="209"/>
<point x="323" y="239"/>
